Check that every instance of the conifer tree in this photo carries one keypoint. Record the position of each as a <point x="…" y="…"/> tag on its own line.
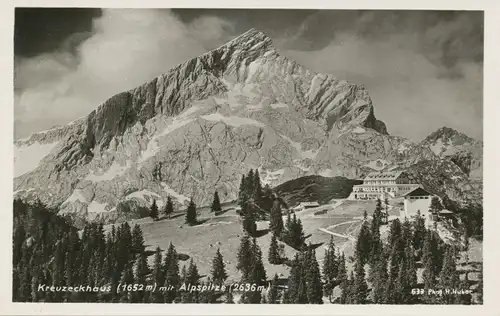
<point x="274" y="255"/>
<point x="169" y="207"/>
<point x="273" y="294"/>
<point x="216" y="206"/>
<point x="449" y="278"/>
<point x="276" y="219"/>
<point x="242" y="194"/>
<point x="171" y="272"/>
<point x="250" y="184"/>
<point x="394" y="232"/>
<point x="127" y="279"/>
<point x="140" y="275"/>
<point x="390" y="295"/>
<point x="294" y="280"/>
<point x="229" y="297"/>
<point x="157" y="275"/>
<point x="153" y="211"/>
<point x="192" y="278"/>
<point x="313" y="279"/>
<point x="363" y="243"/>
<point x="419" y="232"/>
<point x="137" y="240"/>
<point x="257" y="188"/>
<point x="191" y="213"/>
<point x="343" y="280"/>
<point x="360" y="289"/>
<point x="379" y="281"/>
<point x="249" y="225"/>
<point x="330" y="270"/>
<point x="219" y="274"/>
<point x="245" y="257"/>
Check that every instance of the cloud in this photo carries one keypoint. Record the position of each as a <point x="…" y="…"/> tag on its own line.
<point x="423" y="69"/>
<point x="418" y="81"/>
<point x="126" y="49"/>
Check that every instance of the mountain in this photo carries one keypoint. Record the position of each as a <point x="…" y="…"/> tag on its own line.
<point x="315" y="189"/>
<point x="200" y="126"/>
<point x="465" y="152"/>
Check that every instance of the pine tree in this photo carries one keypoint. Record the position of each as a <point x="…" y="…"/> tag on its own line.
<point x="250" y="184"/>
<point x="257" y="188"/>
<point x="294" y="280"/>
<point x="343" y="280"/>
<point x="360" y="286"/>
<point x="171" y="272"/>
<point x="379" y="281"/>
<point x="273" y="294"/>
<point x="157" y="275"/>
<point x="274" y="255"/>
<point x="219" y="274"/>
<point x="216" y="207"/>
<point x="276" y="218"/>
<point x="449" y="278"/>
<point x="242" y="194"/>
<point x="419" y="232"/>
<point x="330" y="270"/>
<point x="127" y="279"/>
<point x="313" y="279"/>
<point x="245" y="257"/>
<point x="191" y="213"/>
<point x="249" y="225"/>
<point x="363" y="243"/>
<point x="140" y="275"/>
<point x="192" y="278"/>
<point x="229" y="297"/>
<point x="153" y="211"/>
<point x="295" y="234"/>
<point x="137" y="240"/>
<point x="394" y="232"/>
<point x="169" y="207"/>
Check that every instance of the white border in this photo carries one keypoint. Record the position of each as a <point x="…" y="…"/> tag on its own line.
<point x="491" y="159"/>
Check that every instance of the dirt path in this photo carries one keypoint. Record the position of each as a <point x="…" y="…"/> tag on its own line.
<point x="336" y="234"/>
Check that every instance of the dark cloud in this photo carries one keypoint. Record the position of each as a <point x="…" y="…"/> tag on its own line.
<point x="423" y="69"/>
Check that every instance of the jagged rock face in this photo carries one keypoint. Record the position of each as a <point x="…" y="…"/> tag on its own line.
<point x="201" y="125"/>
<point x="465" y="152"/>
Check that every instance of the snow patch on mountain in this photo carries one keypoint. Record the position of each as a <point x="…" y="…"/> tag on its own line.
<point x="77" y="195"/>
<point x="179" y="197"/>
<point x="378" y="164"/>
<point x="311" y="154"/>
<point x="359" y="130"/>
<point x="270" y="177"/>
<point x="232" y="120"/>
<point x="27" y="158"/>
<point x="115" y="170"/>
<point x="96" y="207"/>
<point x="279" y="105"/>
<point x="153" y="146"/>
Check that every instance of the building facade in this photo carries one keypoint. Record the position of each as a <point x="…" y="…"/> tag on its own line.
<point x="383" y="185"/>
<point x="417" y="200"/>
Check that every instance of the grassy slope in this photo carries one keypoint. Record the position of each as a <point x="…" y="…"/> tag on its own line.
<point x="224" y="231"/>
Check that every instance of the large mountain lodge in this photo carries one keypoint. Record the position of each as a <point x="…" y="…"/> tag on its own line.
<point x="381" y="185"/>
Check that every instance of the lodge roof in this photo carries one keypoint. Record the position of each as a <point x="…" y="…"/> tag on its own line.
<point x="387" y="175"/>
<point x="418" y="192"/>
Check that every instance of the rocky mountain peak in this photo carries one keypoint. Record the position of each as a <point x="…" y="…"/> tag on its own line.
<point x="446" y="133"/>
<point x="251" y="40"/>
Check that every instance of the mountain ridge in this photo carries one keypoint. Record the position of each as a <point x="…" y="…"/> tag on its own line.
<point x="200" y="125"/>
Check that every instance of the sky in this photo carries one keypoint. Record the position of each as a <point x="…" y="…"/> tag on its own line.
<point x="422" y="69"/>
